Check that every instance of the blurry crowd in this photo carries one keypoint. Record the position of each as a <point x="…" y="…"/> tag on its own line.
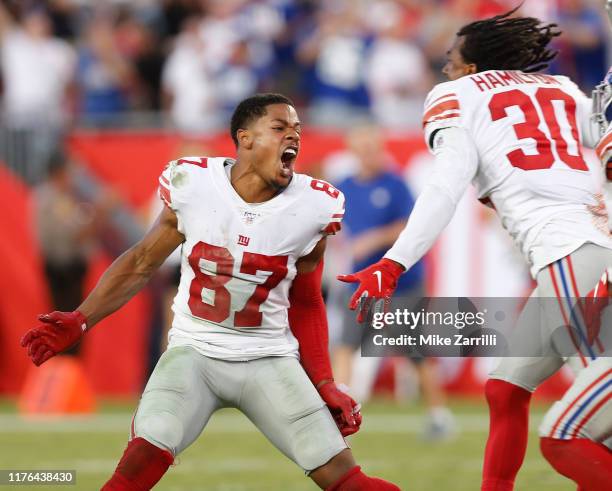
<point x="188" y="62"/>
<point x="185" y="64"/>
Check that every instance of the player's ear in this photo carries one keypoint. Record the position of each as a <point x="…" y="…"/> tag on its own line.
<point x="471" y="68"/>
<point x="245" y="138"/>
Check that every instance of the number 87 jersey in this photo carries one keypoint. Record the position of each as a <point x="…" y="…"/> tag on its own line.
<point x="239" y="259"/>
<point x="528" y="131"/>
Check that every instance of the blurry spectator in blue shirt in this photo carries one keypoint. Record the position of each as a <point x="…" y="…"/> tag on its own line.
<point x="104" y="75"/>
<point x="378" y="204"/>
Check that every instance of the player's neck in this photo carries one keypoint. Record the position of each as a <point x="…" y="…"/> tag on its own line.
<point x="249" y="185"/>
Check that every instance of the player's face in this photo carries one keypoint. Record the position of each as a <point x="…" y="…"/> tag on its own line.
<point x="456" y="67"/>
<point x="276" y="144"/>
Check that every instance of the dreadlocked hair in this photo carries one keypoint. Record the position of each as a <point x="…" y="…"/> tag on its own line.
<point x="508" y="43"/>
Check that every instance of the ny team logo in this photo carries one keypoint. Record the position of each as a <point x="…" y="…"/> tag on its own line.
<point x="243" y="240"/>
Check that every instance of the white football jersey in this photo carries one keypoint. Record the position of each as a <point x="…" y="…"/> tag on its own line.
<point x="528" y="130"/>
<point x="238" y="259"/>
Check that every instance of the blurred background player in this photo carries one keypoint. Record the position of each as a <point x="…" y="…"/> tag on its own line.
<point x="232" y="342"/>
<point x="378" y="203"/>
<point x="486" y="126"/>
<point x="66" y="227"/>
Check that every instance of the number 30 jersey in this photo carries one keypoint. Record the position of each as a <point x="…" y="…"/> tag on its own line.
<point x="239" y="259"/>
<point x="528" y="130"/>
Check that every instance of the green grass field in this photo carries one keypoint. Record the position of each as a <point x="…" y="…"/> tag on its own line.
<point x="232" y="456"/>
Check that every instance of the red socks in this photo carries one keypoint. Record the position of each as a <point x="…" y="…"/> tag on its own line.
<point x="143" y="465"/>
<point x="508" y="431"/>
<point x="355" y="480"/>
<point x="587" y="463"/>
<point x="140" y="467"/>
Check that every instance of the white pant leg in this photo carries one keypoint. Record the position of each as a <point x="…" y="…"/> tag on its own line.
<point x="281" y="401"/>
<point x="585" y="411"/>
<point x="177" y="401"/>
<point x="559" y="332"/>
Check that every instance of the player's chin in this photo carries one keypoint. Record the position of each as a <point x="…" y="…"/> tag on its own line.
<point x="283" y="177"/>
<point x="281" y="182"/>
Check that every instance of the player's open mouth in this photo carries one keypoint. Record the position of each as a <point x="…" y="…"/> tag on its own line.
<point x="288" y="157"/>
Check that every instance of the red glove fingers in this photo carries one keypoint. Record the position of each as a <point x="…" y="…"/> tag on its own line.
<point x="35" y="345"/>
<point x="57" y="332"/>
<point x="42" y="354"/>
<point x="343" y="408"/>
<point x="29" y="336"/>
<point x="349" y="430"/>
<point x="377" y="281"/>
<point x="351" y="278"/>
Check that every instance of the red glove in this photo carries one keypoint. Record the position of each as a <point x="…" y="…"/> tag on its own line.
<point x="377" y="281"/>
<point x="344" y="409"/>
<point x="58" y="332"/>
<point x="595" y="301"/>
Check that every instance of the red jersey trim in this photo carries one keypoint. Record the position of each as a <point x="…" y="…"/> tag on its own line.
<point x="164" y="194"/>
<point x="200" y="162"/>
<point x="438" y="110"/>
<point x="332" y="228"/>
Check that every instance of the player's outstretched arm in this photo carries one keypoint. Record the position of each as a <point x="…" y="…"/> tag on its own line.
<point x="131" y="271"/>
<point x="456" y="163"/>
<point x="124" y="278"/>
<point x="308" y="322"/>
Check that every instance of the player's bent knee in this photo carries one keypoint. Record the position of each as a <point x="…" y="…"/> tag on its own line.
<point x="502" y="395"/>
<point x="316" y="440"/>
<point x="163" y="429"/>
<point x="337" y="466"/>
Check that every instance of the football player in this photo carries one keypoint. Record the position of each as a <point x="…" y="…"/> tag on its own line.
<point x="249" y="328"/>
<point x="576" y="433"/>
<point x="518" y="136"/>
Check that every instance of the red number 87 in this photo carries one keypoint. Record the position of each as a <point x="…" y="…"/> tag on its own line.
<point x="220" y="309"/>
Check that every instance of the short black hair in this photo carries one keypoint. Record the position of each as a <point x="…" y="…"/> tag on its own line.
<point x="504" y="42"/>
<point x="253" y="108"/>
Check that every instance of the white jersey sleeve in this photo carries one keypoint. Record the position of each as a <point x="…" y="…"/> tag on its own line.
<point x="329" y="205"/>
<point x="174" y="185"/>
<point x="442" y="110"/>
<point x="455" y="166"/>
